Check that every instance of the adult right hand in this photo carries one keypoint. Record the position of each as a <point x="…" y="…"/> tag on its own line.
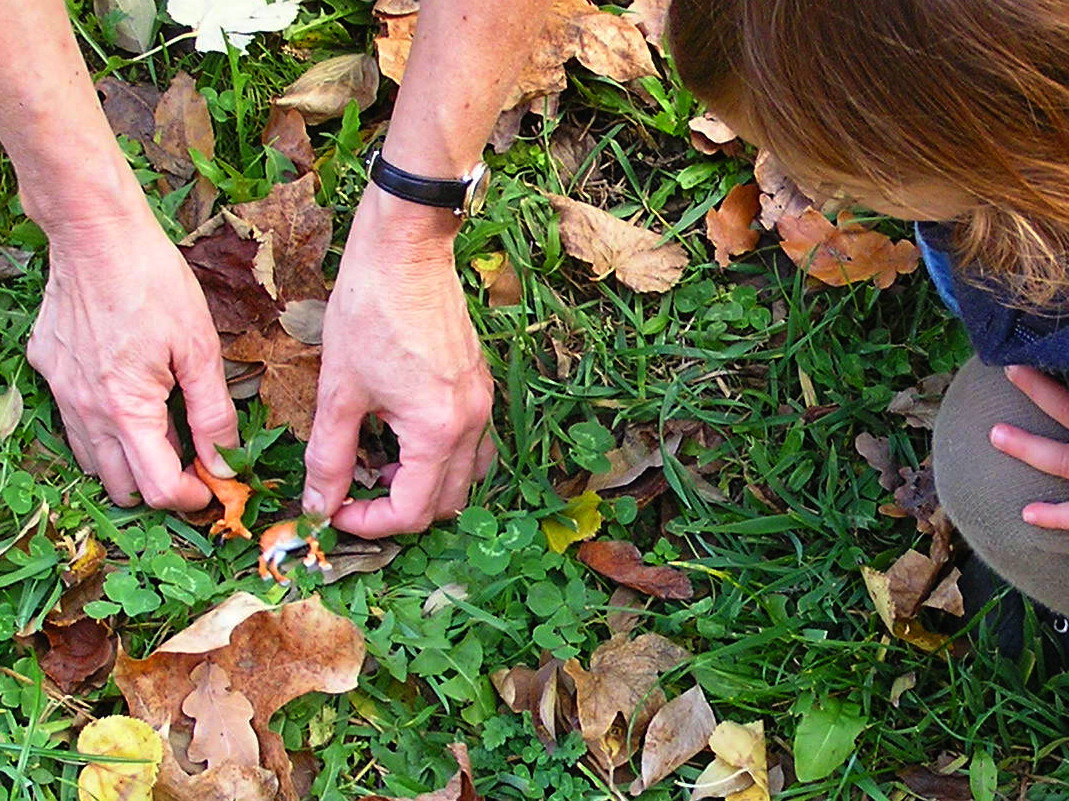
<point x="123" y="319"/>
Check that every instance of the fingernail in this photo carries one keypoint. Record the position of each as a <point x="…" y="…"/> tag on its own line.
<point x="220" y="469"/>
<point x="314" y="503"/>
<point x="998" y="436"/>
<point x="1011" y="370"/>
<point x="1029" y="516"/>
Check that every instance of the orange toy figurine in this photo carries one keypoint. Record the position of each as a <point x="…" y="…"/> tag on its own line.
<point x="281" y="538"/>
<point x="233" y="494"/>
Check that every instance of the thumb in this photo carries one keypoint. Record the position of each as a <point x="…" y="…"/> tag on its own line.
<point x="209" y="409"/>
<point x="331" y="454"/>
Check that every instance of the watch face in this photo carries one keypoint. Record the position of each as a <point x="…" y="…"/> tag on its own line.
<point x="478" y="186"/>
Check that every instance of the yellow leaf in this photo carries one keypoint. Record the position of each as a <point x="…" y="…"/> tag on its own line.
<point x="743" y="746"/>
<point x="121" y="737"/>
<point x="585" y="520"/>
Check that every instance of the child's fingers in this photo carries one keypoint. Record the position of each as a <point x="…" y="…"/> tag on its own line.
<point x="1047" y="515"/>
<point x="1048" y="394"/>
<point x="1046" y="455"/>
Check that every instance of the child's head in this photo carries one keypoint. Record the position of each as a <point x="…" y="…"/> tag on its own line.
<point x="945" y="109"/>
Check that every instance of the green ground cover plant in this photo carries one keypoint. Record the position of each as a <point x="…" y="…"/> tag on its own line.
<point x="771" y="513"/>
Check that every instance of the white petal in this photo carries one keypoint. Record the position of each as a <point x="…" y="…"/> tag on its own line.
<point x="188" y="12"/>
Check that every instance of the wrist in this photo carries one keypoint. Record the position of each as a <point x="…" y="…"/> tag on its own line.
<point x="407" y="221"/>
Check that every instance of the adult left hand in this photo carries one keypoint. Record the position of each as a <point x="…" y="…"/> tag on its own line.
<point x="1046" y="455"/>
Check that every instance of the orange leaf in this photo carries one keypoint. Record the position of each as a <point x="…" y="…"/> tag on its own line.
<point x="233" y="494"/>
<point x="728" y="227"/>
<point x="842" y="254"/>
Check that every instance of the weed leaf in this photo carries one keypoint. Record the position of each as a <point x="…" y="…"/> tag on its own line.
<point x="825" y="736"/>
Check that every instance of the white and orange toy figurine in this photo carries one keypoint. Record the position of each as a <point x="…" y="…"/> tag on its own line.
<point x="281" y="538"/>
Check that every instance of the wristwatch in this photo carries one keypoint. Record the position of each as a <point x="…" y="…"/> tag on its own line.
<point x="464" y="196"/>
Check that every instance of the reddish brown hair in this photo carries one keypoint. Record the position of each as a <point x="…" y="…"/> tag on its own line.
<point x="968" y="93"/>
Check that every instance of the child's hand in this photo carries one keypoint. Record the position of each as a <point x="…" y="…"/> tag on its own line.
<point x="1046" y="455"/>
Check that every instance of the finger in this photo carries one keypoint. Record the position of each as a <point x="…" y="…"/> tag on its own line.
<point x="158" y="471"/>
<point x="408" y="508"/>
<point x="1046" y="455"/>
<point x="1047" y="515"/>
<point x="485" y="456"/>
<point x="209" y="409"/>
<point x="172" y="435"/>
<point x="387" y="473"/>
<point x="115" y="472"/>
<point x="1049" y="395"/>
<point x="331" y="454"/>
<point x="78" y="442"/>
<point x="458" y="478"/>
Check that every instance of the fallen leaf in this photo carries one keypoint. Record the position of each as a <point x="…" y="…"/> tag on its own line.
<point x="917" y="495"/>
<point x="585" y="522"/>
<point x="650" y="17"/>
<point x="741" y="748"/>
<point x="926" y="783"/>
<point x="77" y="651"/>
<point x="920" y="404"/>
<point x="611" y="245"/>
<point x="119" y="737"/>
<point x="623" y="620"/>
<point x="285" y="131"/>
<point x="571" y="147"/>
<point x="503" y="287"/>
<point x="946" y="597"/>
<point x="183" y="123"/>
<point x="134" y="20"/>
<point x="619" y="695"/>
<point x="877" y="452"/>
<point x="272" y="657"/>
<point x="394" y="45"/>
<point x="443" y="597"/>
<point x="610" y="45"/>
<point x="622" y="562"/>
<point x="680" y="730"/>
<point x="901" y="685"/>
<point x="709" y="134"/>
<point x="11" y="406"/>
<point x="360" y="556"/>
<point x="300" y="235"/>
<point x="85" y="563"/>
<point x="538" y="692"/>
<point x="781" y="196"/>
<point x="460" y="788"/>
<point x="395" y="7"/>
<point x="233" y="495"/>
<point x="212" y="630"/>
<point x="720" y="780"/>
<point x="323" y="92"/>
<point x="844" y="253"/>
<point x="289" y="382"/>
<point x="906" y="629"/>
<point x="641" y="448"/>
<point x="222" y="733"/>
<point x="729" y="227"/>
<point x="234" y="270"/>
<point x="303" y="320"/>
<point x="221" y="22"/>
<point x="13" y="262"/>
<point x="130" y="108"/>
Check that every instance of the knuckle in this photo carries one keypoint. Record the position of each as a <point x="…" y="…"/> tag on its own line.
<point x="417" y="521"/>
<point x="160" y="494"/>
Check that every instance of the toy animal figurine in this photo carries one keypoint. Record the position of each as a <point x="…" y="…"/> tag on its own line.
<point x="233" y="494"/>
<point x="281" y="538"/>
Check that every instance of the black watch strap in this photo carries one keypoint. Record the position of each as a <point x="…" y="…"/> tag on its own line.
<point x="443" y="193"/>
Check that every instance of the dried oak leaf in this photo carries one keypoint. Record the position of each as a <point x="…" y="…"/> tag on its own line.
<point x="844" y="253"/>
<point x="271" y="656"/>
<point x="183" y="123"/>
<point x="709" y="134"/>
<point x="877" y="452"/>
<point x="285" y="132"/>
<point x="289" y="382"/>
<point x="680" y="729"/>
<point x="729" y="228"/>
<point x="936" y="786"/>
<point x="781" y="197"/>
<point x="300" y="232"/>
<point x="460" y="788"/>
<point x="395" y="43"/>
<point x="323" y="92"/>
<point x="920" y="404"/>
<point x="503" y="287"/>
<point x="303" y="320"/>
<point x="234" y="269"/>
<point x="622" y="562"/>
<point x="612" y="245"/>
<point x="77" y="652"/>
<point x="538" y="692"/>
<point x="619" y="694"/>
<point x="222" y="733"/>
<point x="650" y="17"/>
<point x="129" y="107"/>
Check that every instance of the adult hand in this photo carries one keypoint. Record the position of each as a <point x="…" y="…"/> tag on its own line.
<point x="398" y="343"/>
<point x="122" y="319"/>
<point x="1046" y="455"/>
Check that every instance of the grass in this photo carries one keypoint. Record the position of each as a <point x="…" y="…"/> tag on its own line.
<point x="781" y="612"/>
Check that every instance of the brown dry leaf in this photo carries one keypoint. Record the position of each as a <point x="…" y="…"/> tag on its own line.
<point x="877" y="452"/>
<point x="917" y="496"/>
<point x="709" y="134"/>
<point x="781" y="197"/>
<point x="272" y="657"/>
<point x="740" y="771"/>
<point x="503" y="287"/>
<point x="905" y="628"/>
<point x="612" y="46"/>
<point x="622" y="562"/>
<point x="844" y="253"/>
<point x="946" y="597"/>
<point x="303" y="320"/>
<point x="183" y="123"/>
<point x="88" y="558"/>
<point x="535" y="691"/>
<point x="623" y="620"/>
<point x="289" y="383"/>
<point x="222" y="733"/>
<point x="651" y="17"/>
<point x="396" y="8"/>
<point x="729" y="227"/>
<point x="460" y="788"/>
<point x="233" y="268"/>
<point x="233" y="495"/>
<point x="360" y="556"/>
<point x="679" y="730"/>
<point x="640" y="450"/>
<point x="935" y="786"/>
<point x="612" y="245"/>
<point x="920" y="404"/>
<point x="571" y="148"/>
<point x="285" y="132"/>
<point x="619" y="693"/>
<point x="394" y="45"/>
<point x="323" y="92"/>
<point x="909" y="580"/>
<point x="300" y="235"/>
<point x="130" y="108"/>
<point x="78" y="652"/>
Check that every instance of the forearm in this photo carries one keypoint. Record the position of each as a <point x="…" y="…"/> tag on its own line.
<point x="69" y="167"/>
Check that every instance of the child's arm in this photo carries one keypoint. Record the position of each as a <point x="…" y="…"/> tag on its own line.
<point x="1046" y="455"/>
